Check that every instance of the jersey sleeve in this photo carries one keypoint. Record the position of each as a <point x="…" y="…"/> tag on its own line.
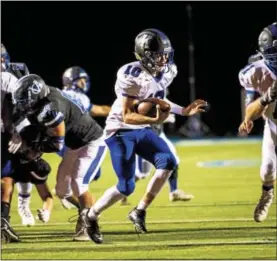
<point x="127" y="84"/>
<point x="50" y="116"/>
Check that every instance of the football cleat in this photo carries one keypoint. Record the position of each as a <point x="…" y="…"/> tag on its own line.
<point x="80" y="230"/>
<point x="8" y="235"/>
<point x="24" y="211"/>
<point x="137" y="216"/>
<point x="180" y="195"/>
<point x="92" y="230"/>
<point x="262" y="208"/>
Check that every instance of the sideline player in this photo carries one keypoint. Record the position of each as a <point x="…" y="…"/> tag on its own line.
<point x="257" y="78"/>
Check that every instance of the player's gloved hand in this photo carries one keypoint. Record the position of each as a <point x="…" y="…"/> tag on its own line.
<point x="43" y="215"/>
<point x="170" y="119"/>
<point x="195" y="107"/>
<point x="14" y="143"/>
<point x="270" y="96"/>
<point x="160" y="115"/>
<point x="246" y="126"/>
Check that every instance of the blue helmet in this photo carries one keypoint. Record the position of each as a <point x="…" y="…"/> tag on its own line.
<point x="5" y="58"/>
<point x="268" y="46"/>
<point x="71" y="77"/>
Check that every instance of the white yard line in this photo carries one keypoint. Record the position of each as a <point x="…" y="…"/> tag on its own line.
<point x="168" y="221"/>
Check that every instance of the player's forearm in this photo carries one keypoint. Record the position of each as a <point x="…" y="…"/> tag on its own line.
<point x="45" y="196"/>
<point x="254" y="110"/>
<point x="137" y="119"/>
<point x="100" y="110"/>
<point x="177" y="109"/>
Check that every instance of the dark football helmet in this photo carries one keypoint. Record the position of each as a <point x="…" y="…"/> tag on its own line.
<point x="268" y="46"/>
<point x="29" y="90"/>
<point x="71" y="77"/>
<point x="153" y="49"/>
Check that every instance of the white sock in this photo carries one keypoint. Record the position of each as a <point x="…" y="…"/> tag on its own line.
<point x="24" y="189"/>
<point x="110" y="197"/>
<point x="155" y="185"/>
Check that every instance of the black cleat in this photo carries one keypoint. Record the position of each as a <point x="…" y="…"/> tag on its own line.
<point x="93" y="231"/>
<point x="8" y="235"/>
<point x="137" y="216"/>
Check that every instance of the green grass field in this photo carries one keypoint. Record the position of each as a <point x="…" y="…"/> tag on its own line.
<point x="216" y="224"/>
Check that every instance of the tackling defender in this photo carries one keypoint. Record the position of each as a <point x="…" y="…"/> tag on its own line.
<point x="129" y="133"/>
<point x="67" y="123"/>
<point x="257" y="78"/>
<point x="76" y="83"/>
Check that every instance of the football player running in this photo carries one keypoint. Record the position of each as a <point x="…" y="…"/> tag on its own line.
<point x="129" y="133"/>
<point x="259" y="78"/>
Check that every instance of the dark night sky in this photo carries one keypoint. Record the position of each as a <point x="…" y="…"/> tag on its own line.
<point x="99" y="36"/>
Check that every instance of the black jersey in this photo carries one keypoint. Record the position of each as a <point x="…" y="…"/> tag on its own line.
<point x="56" y="107"/>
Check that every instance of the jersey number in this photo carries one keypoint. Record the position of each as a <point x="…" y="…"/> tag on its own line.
<point x="134" y="71"/>
<point x="159" y="95"/>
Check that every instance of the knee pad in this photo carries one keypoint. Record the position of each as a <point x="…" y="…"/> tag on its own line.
<point x="165" y="161"/>
<point x="268" y="172"/>
<point x="174" y="174"/>
<point x="126" y="187"/>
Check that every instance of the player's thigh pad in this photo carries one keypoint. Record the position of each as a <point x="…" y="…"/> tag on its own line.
<point x="87" y="165"/>
<point x="154" y="149"/>
<point x="122" y="151"/>
<point x="268" y="166"/>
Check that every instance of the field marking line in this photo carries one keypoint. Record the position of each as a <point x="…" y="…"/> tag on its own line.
<point x="168" y="221"/>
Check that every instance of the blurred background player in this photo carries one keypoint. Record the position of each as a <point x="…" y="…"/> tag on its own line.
<point x="143" y="167"/>
<point x="24" y="189"/>
<point x="257" y="78"/>
<point x="128" y="133"/>
<point x="76" y="83"/>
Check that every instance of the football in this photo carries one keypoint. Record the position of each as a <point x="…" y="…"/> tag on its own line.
<point x="146" y="108"/>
